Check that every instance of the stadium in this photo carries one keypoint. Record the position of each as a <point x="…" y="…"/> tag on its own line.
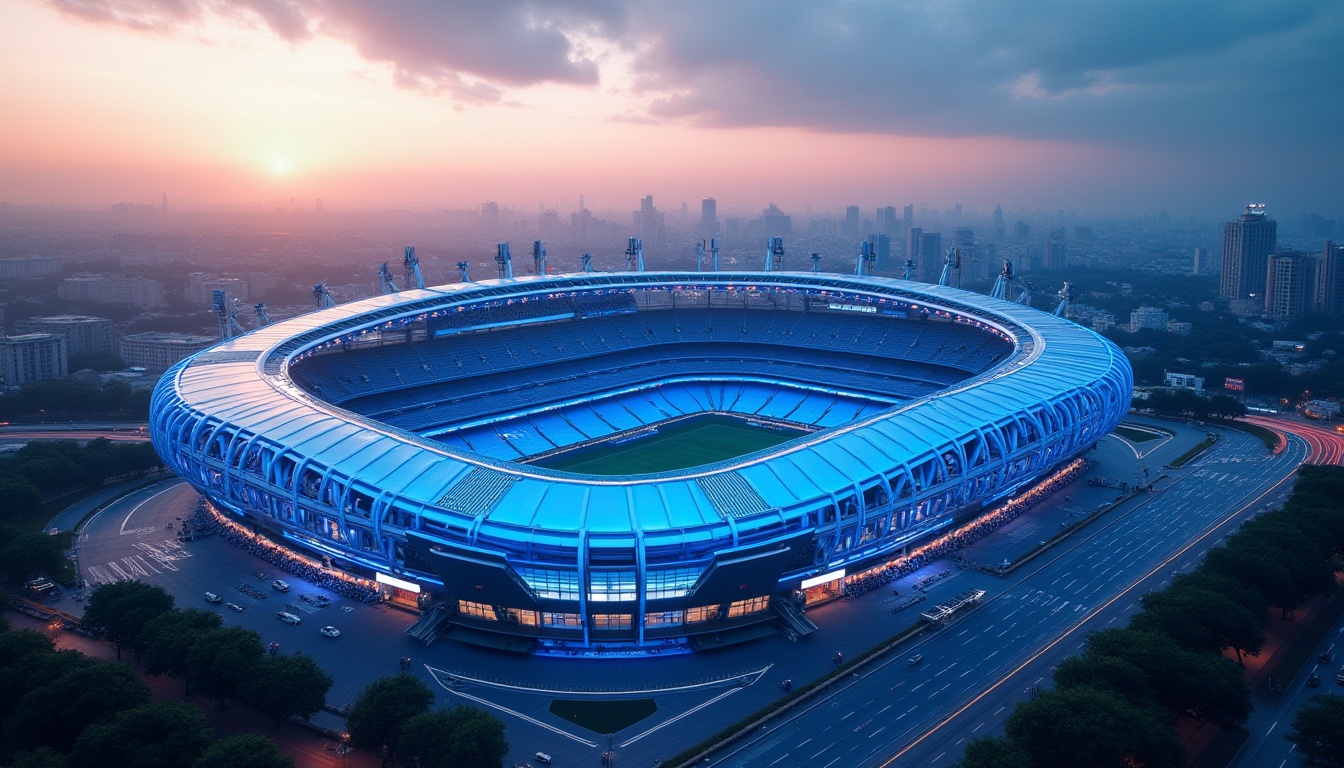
<point x="632" y="463"/>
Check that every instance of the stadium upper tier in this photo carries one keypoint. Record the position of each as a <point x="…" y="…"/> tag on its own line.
<point x="353" y="432"/>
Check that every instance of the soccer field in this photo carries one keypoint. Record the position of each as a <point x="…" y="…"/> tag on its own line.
<point x="687" y="443"/>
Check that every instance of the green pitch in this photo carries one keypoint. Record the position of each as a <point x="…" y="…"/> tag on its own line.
<point x="687" y="443"/>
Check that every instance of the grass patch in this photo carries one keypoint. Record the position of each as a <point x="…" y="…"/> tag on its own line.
<point x="682" y="444"/>
<point x="1138" y="434"/>
<point x="603" y="716"/>
<point x="1186" y="457"/>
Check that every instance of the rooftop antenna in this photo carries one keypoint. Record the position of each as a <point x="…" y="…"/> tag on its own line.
<point x="385" y="280"/>
<point x="774" y="255"/>
<point x="410" y="265"/>
<point x="867" y="258"/>
<point x="227" y="315"/>
<point x="465" y="269"/>
<point x="587" y="263"/>
<point x="1065" y="300"/>
<point x="951" y="276"/>
<point x="259" y="317"/>
<point x="699" y="256"/>
<point x="816" y="263"/>
<point x="1005" y="279"/>
<point x="909" y="273"/>
<point x="714" y="249"/>
<point x="504" y="261"/>
<point x="323" y="296"/>
<point x="634" y="255"/>
<point x="539" y="257"/>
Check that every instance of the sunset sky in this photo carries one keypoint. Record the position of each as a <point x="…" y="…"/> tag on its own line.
<point x="1095" y="106"/>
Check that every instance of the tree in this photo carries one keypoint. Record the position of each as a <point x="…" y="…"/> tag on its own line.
<point x="460" y="736"/>
<point x="1226" y="407"/>
<point x="1318" y="730"/>
<point x="1201" y="620"/>
<point x="167" y="640"/>
<point x="27" y="554"/>
<point x="124" y="608"/>
<point x="287" y="686"/>
<point x="161" y="735"/>
<point x="43" y="757"/>
<point x="1106" y="673"/>
<point x="377" y="717"/>
<point x="1084" y="726"/>
<point x="993" y="752"/>
<point x="1205" y="686"/>
<point x="221" y="659"/>
<point x="85" y="692"/>
<point x="249" y="750"/>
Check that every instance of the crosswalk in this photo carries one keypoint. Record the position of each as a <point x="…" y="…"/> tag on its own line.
<point x="154" y="558"/>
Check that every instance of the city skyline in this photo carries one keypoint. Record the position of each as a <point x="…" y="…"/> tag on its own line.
<point x="1194" y="110"/>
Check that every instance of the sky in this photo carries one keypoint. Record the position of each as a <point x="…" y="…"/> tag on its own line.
<point x="1194" y="107"/>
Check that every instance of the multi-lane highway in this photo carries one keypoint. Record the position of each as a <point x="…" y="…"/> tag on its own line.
<point x="973" y="672"/>
<point x="1326" y="445"/>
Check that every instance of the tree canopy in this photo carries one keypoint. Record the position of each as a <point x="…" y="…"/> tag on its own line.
<point x="377" y="717"/>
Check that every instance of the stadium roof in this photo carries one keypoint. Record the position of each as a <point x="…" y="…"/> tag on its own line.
<point x="241" y="383"/>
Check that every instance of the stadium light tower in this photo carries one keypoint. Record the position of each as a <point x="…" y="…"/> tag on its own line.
<point x="909" y="273"/>
<point x="539" y="257"/>
<point x="465" y="269"/>
<point x="259" y="317"/>
<point x="587" y="263"/>
<point x="385" y="280"/>
<point x="1065" y="300"/>
<point x="714" y="249"/>
<point x="227" y="315"/>
<point x="1028" y="289"/>
<point x="634" y="255"/>
<point x="504" y="261"/>
<point x="323" y="296"/>
<point x="951" y="276"/>
<point x="867" y="258"/>
<point x="410" y="265"/>
<point x="774" y="255"/>
<point x="816" y="263"/>
<point x="1005" y="279"/>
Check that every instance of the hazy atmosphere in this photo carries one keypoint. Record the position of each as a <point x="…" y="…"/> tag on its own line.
<point x="1126" y="107"/>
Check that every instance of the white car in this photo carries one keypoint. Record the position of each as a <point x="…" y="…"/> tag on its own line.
<point x="280" y="586"/>
<point x="330" y="631"/>
<point x="235" y="607"/>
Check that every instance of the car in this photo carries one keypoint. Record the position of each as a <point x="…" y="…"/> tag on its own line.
<point x="235" y="607"/>
<point x="211" y="597"/>
<point x="1314" y="681"/>
<point x="279" y="586"/>
<point x="543" y="758"/>
<point x="288" y="618"/>
<point x="1328" y="655"/>
<point x="330" y="631"/>
<point x="913" y="660"/>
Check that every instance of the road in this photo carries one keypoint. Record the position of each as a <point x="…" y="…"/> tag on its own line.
<point x="976" y="670"/>
<point x="1327" y="445"/>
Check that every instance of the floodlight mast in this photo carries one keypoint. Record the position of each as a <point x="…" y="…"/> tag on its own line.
<point x="385" y="281"/>
<point x="634" y="255"/>
<point x="774" y="255"/>
<point x="714" y="248"/>
<point x="464" y="269"/>
<point x="951" y="276"/>
<point x="867" y="259"/>
<point x="587" y="262"/>
<point x="504" y="261"/>
<point x="410" y="265"/>
<point x="909" y="273"/>
<point x="1065" y="301"/>
<point x="259" y="317"/>
<point x="324" y="298"/>
<point x="539" y="257"/>
<point x="226" y="315"/>
<point x="1005" y="279"/>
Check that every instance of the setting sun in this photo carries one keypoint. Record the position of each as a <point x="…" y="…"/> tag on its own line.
<point x="280" y="166"/>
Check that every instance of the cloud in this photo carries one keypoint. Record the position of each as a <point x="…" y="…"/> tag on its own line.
<point x="469" y="51"/>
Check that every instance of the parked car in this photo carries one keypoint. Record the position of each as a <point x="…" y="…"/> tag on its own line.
<point x="211" y="597"/>
<point x="279" y="586"/>
<point x="1314" y="681"/>
<point x="288" y="618"/>
<point x="235" y="607"/>
<point x="330" y="631"/>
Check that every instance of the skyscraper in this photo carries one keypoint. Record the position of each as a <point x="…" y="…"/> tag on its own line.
<point x="853" y="225"/>
<point x="1290" y="284"/>
<point x="1247" y="244"/>
<point x="709" y="217"/>
<point x="1330" y="280"/>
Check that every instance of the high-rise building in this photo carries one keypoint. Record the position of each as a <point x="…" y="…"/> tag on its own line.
<point x="32" y="357"/>
<point x="776" y="223"/>
<point x="112" y="289"/>
<point x="1056" y="250"/>
<point x="1247" y="243"/>
<point x="201" y="288"/>
<point x="999" y="228"/>
<point x="1201" y="265"/>
<point x="931" y="256"/>
<point x="1290" y="284"/>
<point x="1330" y="280"/>
<point x="29" y="266"/>
<point x="853" y="225"/>
<point x="83" y="335"/>
<point x="886" y="222"/>
<point x="1148" y="319"/>
<point x="881" y="245"/>
<point x="1022" y="231"/>
<point x="914" y="238"/>
<point x="709" y="217"/>
<point x="648" y="223"/>
<point x="157" y="351"/>
<point x="490" y="217"/>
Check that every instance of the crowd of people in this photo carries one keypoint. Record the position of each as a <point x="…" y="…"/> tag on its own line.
<point x="362" y="590"/>
<point x="866" y="581"/>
